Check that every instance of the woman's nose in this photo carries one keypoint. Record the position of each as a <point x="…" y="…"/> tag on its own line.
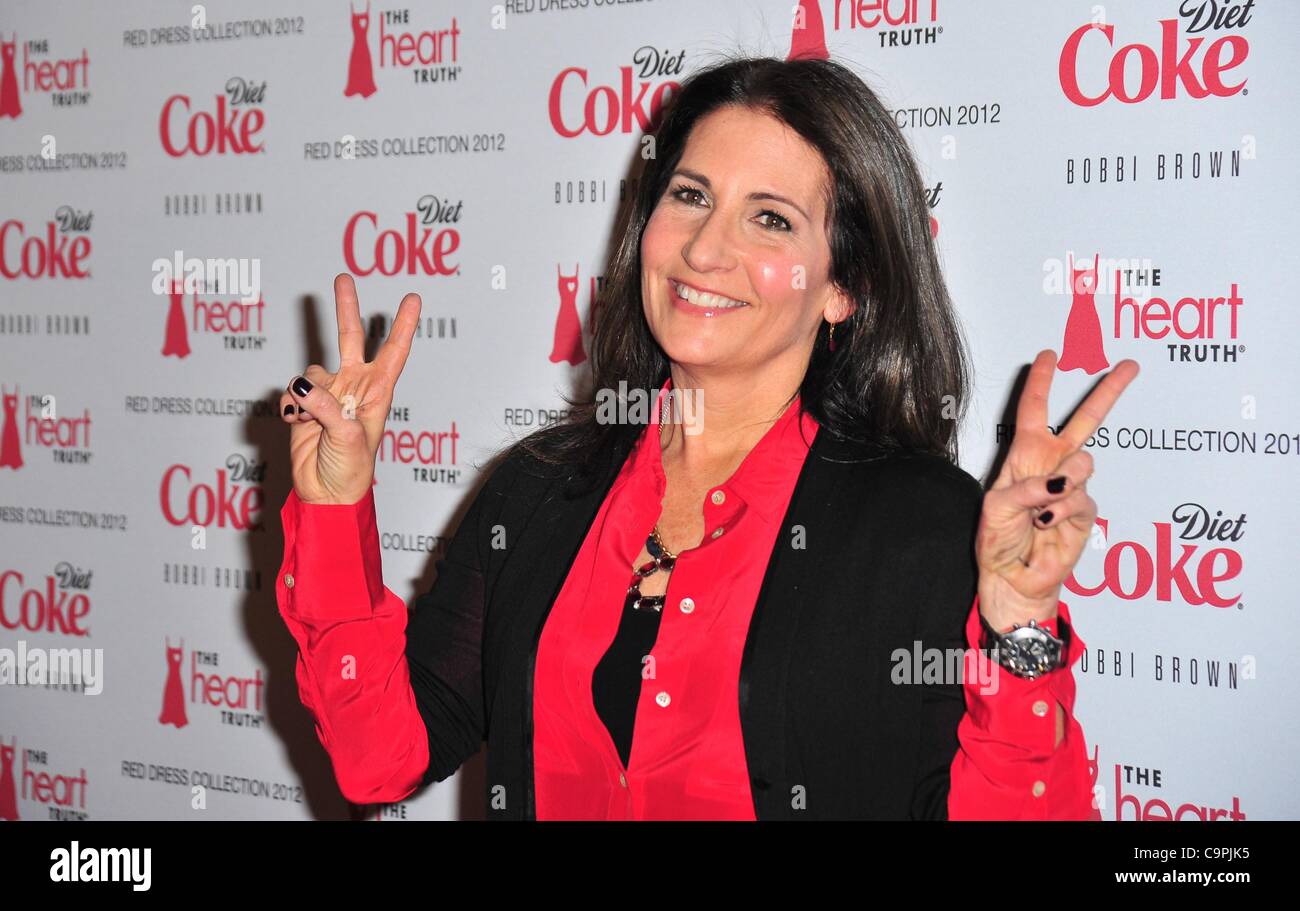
<point x="710" y="247"/>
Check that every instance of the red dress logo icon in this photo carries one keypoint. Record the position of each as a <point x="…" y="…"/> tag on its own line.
<point x="10" y="106"/>
<point x="11" y="450"/>
<point x="177" y="340"/>
<point x="361" y="77"/>
<point x="1094" y="768"/>
<point x="808" y="37"/>
<point x="8" y="793"/>
<point x="1082" y="347"/>
<point x="173" y="707"/>
<point x="568" y="326"/>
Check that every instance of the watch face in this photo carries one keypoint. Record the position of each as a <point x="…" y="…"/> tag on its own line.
<point x="1026" y="651"/>
<point x="1031" y="652"/>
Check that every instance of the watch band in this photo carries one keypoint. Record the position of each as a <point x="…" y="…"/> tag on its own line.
<point x="1028" y="651"/>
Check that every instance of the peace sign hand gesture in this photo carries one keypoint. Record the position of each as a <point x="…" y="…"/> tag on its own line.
<point x="1032" y="529"/>
<point x="338" y="418"/>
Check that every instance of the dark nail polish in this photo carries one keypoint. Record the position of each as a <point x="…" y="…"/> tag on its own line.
<point x="288" y="409"/>
<point x="1056" y="484"/>
<point x="1045" y="516"/>
<point x="301" y="386"/>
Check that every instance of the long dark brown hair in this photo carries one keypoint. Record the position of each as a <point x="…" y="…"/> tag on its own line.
<point x="898" y="377"/>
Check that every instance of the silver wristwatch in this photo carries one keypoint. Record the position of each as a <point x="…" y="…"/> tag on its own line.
<point x="1027" y="651"/>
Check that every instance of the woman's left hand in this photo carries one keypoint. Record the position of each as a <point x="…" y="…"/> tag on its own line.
<point x="1022" y="559"/>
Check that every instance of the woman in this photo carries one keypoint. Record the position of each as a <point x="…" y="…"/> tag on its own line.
<point x="716" y="621"/>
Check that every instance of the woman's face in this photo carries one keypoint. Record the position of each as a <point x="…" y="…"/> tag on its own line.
<point x="743" y="218"/>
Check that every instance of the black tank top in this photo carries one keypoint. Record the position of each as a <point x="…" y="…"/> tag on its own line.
<point x="616" y="681"/>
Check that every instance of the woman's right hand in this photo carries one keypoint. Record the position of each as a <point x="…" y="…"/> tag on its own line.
<point x="338" y="423"/>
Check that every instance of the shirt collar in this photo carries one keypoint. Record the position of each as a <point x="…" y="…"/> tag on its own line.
<point x="761" y="480"/>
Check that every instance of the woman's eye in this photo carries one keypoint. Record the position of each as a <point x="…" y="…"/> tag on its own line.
<point x="683" y="192"/>
<point x="784" y="222"/>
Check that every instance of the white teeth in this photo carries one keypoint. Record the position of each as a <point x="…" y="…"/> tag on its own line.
<point x="711" y="301"/>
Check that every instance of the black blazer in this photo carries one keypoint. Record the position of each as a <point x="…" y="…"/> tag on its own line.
<point x="888" y="559"/>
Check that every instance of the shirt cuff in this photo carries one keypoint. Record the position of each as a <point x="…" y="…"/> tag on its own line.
<point x="332" y="568"/>
<point x="1016" y="709"/>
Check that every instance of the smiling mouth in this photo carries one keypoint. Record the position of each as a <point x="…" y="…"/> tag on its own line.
<point x="703" y="299"/>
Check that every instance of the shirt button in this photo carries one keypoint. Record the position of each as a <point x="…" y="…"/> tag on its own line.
<point x="622" y="779"/>
<point x="663" y="699"/>
<point x="288" y="580"/>
<point x="687" y="605"/>
<point x="1040" y="708"/>
<point x="718" y="498"/>
<point x="717" y="532"/>
<point x="1039" y="788"/>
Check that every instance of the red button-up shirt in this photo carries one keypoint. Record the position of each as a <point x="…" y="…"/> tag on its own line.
<point x="687" y="759"/>
<point x="688" y="756"/>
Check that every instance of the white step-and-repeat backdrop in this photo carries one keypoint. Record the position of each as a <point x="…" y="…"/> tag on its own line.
<point x="479" y="153"/>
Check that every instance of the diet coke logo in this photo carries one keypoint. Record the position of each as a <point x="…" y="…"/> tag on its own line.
<point x="57" y="604"/>
<point x="1093" y="70"/>
<point x="1192" y="559"/>
<point x="232" y="499"/>
<point x="232" y="126"/>
<point x="422" y="245"/>
<point x="579" y="102"/>
<point x="57" y="249"/>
